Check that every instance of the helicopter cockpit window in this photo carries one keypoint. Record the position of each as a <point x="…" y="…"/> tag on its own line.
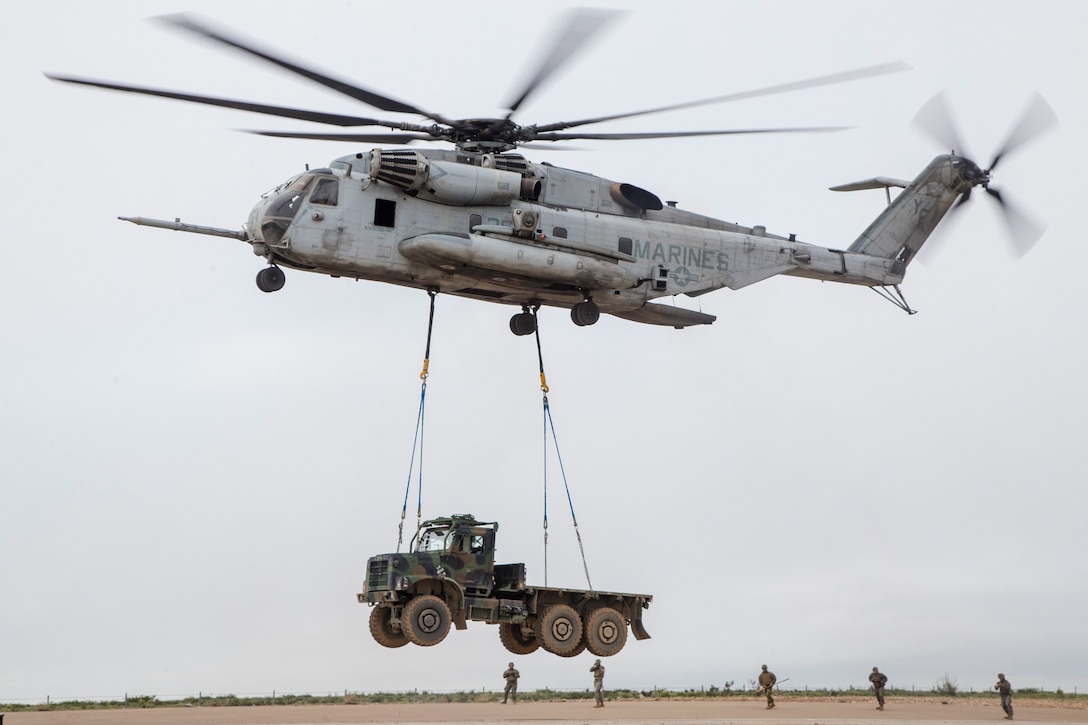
<point x="290" y="201"/>
<point x="327" y="192"/>
<point x="282" y="210"/>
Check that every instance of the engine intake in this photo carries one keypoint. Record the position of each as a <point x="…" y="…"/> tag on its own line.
<point x="450" y="183"/>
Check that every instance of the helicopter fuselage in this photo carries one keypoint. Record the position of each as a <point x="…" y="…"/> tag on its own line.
<point x="502" y="229"/>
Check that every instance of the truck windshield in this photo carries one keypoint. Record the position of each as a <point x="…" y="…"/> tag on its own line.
<point x="433" y="539"/>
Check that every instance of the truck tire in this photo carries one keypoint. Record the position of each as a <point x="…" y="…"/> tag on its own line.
<point x="559" y="629"/>
<point x="606" y="632"/>
<point x="382" y="631"/>
<point x="426" y="620"/>
<point x="578" y="649"/>
<point x="512" y="639"/>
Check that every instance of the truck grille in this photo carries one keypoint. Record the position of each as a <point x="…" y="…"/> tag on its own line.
<point x="377" y="575"/>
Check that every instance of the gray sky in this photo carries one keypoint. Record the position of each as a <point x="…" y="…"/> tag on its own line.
<point x="194" y="472"/>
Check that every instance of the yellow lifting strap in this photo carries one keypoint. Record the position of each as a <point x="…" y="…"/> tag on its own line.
<point x="549" y="427"/>
<point x="417" y="441"/>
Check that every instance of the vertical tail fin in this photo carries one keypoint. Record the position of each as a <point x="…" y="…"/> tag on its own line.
<point x="901" y="230"/>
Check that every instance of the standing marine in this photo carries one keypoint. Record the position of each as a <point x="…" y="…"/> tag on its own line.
<point x="1005" y="690"/>
<point x="598" y="683"/>
<point x="766" y="685"/>
<point x="879" y="679"/>
<point x="511" y="676"/>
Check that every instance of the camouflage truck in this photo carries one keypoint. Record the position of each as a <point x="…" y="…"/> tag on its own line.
<point x="449" y="576"/>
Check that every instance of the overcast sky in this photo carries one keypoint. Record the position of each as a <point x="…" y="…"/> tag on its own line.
<point x="193" y="473"/>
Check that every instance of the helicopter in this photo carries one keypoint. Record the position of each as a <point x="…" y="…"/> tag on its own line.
<point x="482" y="221"/>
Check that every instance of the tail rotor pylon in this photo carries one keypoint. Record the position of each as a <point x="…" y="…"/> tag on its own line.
<point x="935" y="118"/>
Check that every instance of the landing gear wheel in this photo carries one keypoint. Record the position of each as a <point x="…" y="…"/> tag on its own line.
<point x="559" y="629"/>
<point x="514" y="640"/>
<point x="585" y="313"/>
<point x="270" y="279"/>
<point x="382" y="630"/>
<point x="523" y="323"/>
<point x="426" y="620"/>
<point x="606" y="632"/>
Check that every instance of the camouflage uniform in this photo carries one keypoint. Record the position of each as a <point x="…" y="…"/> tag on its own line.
<point x="511" y="676"/>
<point x="879" y="680"/>
<point x="766" y="684"/>
<point x="1005" y="690"/>
<point x="598" y="683"/>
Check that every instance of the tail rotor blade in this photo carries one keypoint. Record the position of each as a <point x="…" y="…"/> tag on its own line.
<point x="1038" y="118"/>
<point x="962" y="200"/>
<point x="1024" y="230"/>
<point x="935" y="118"/>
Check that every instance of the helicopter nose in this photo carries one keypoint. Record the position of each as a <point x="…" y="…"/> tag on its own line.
<point x="253" y="222"/>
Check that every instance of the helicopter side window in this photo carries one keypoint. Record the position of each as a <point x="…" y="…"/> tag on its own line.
<point x="326" y="192"/>
<point x="626" y="245"/>
<point x="474" y="220"/>
<point x="385" y="213"/>
<point x="560" y="232"/>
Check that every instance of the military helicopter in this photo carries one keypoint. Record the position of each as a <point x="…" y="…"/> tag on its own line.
<point x="481" y="221"/>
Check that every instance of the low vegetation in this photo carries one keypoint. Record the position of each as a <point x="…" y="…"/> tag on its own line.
<point x="944" y="689"/>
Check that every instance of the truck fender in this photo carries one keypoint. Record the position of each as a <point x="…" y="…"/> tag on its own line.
<point x="450" y="591"/>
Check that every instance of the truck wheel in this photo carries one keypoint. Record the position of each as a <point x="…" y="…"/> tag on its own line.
<point x="514" y="640"/>
<point x="559" y="629"/>
<point x="382" y="630"/>
<point x="579" y="649"/>
<point x="426" y="620"/>
<point x="606" y="632"/>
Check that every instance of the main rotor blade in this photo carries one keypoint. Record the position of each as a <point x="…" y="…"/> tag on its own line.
<point x="935" y="118"/>
<point x="569" y="39"/>
<point x="333" y="119"/>
<point x="383" y="138"/>
<point x="1038" y="118"/>
<point x="860" y="73"/>
<point x="678" y="134"/>
<point x="371" y="98"/>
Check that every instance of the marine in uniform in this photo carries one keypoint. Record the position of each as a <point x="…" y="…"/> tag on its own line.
<point x="598" y="683"/>
<point x="766" y="685"/>
<point x="879" y="679"/>
<point x="1005" y="690"/>
<point x="511" y="676"/>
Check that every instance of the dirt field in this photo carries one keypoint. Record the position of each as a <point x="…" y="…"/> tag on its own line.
<point x="798" y="711"/>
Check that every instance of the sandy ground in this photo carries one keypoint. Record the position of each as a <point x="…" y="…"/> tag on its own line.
<point x="794" y="711"/>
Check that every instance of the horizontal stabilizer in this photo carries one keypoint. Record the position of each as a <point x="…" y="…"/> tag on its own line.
<point x="880" y="182"/>
<point x="658" y="314"/>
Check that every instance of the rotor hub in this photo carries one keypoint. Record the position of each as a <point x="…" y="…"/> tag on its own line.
<point x="971" y="173"/>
